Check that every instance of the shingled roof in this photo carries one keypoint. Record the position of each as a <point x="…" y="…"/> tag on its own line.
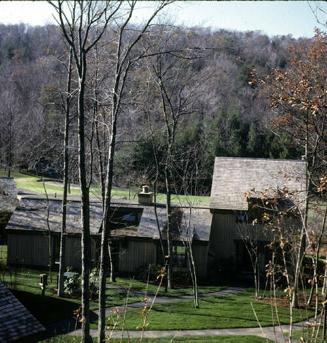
<point x="16" y="322"/>
<point x="31" y="215"/>
<point x="234" y="177"/>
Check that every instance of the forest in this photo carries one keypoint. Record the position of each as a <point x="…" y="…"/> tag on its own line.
<point x="209" y="72"/>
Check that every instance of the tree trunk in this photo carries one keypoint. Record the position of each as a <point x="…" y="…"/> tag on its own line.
<point x="299" y="260"/>
<point x="10" y="145"/>
<point x="105" y="232"/>
<point x="85" y="204"/>
<point x="193" y="275"/>
<point x="65" y="184"/>
<point x="168" y="225"/>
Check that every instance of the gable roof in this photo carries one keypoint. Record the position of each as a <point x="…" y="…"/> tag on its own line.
<point x="8" y="194"/>
<point x="16" y="321"/>
<point x="233" y="177"/>
<point x="32" y="212"/>
<point x="31" y="215"/>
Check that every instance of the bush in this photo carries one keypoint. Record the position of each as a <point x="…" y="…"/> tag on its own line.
<point x="72" y="284"/>
<point x="94" y="282"/>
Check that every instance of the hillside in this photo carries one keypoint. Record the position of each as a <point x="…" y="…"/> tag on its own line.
<point x="224" y="115"/>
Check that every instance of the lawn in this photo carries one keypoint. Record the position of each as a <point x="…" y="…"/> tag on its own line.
<point x="3" y="254"/>
<point x="211" y="339"/>
<point x="214" y="313"/>
<point x="308" y="334"/>
<point x="54" y="187"/>
<point x="151" y="288"/>
<point x="25" y="284"/>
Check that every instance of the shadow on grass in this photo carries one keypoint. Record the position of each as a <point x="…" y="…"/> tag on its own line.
<point x="56" y="314"/>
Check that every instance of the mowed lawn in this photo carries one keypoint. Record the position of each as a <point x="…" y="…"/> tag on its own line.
<point x="132" y="284"/>
<point x="203" y="339"/>
<point x="54" y="187"/>
<point x="50" y="308"/>
<point x="214" y="313"/>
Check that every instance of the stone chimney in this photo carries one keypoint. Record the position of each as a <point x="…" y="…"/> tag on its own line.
<point x="145" y="197"/>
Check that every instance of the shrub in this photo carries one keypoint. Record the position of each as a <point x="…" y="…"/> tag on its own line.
<point x="94" y="282"/>
<point x="72" y="284"/>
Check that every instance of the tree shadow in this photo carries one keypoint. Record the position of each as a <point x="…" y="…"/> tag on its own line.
<point x="56" y="314"/>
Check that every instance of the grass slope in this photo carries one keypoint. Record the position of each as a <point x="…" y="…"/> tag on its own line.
<point x="50" y="308"/>
<point x="151" y="288"/>
<point x="35" y="184"/>
<point x="211" y="339"/>
<point x="214" y="313"/>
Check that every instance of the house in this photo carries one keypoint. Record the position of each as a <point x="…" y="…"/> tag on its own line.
<point x="236" y="183"/>
<point x="16" y="322"/>
<point x="134" y="233"/>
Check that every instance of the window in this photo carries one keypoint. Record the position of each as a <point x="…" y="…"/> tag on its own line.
<point x="122" y="217"/>
<point x="180" y="255"/>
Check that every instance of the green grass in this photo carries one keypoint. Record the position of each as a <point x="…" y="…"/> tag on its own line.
<point x="308" y="334"/>
<point x="212" y="339"/>
<point x="214" y="313"/>
<point x="35" y="184"/>
<point x="26" y="283"/>
<point x="151" y="288"/>
<point x="3" y="255"/>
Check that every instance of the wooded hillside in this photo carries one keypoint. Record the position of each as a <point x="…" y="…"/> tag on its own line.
<point x="208" y="74"/>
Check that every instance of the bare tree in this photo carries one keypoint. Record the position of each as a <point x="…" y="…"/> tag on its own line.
<point x="77" y="21"/>
<point x="66" y="110"/>
<point x="175" y="102"/>
<point x="124" y="61"/>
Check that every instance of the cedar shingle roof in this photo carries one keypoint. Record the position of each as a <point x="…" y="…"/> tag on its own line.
<point x="31" y="215"/>
<point x="16" y="321"/>
<point x="234" y="176"/>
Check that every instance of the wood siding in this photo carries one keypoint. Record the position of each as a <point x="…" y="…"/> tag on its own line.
<point x="28" y="250"/>
<point x="136" y="254"/>
<point x="32" y="250"/>
<point x="200" y="255"/>
<point x="73" y="252"/>
<point x="225" y="232"/>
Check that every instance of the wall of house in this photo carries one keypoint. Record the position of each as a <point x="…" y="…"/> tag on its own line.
<point x="32" y="249"/>
<point x="28" y="250"/>
<point x="200" y="255"/>
<point x="73" y="252"/>
<point x="225" y="238"/>
<point x="222" y="235"/>
<point x="136" y="253"/>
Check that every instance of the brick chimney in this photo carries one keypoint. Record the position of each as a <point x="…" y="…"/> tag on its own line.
<point x="145" y="197"/>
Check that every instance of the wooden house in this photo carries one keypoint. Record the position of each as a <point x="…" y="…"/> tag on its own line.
<point x="16" y="322"/>
<point x="134" y="233"/>
<point x="235" y="181"/>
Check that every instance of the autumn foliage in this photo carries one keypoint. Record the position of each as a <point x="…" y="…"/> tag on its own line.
<point x="298" y="98"/>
